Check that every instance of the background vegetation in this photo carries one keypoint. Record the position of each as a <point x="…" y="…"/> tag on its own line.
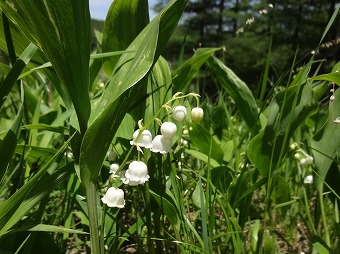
<point x="259" y="174"/>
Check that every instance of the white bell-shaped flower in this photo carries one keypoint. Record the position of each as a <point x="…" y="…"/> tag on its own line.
<point x="197" y="114"/>
<point x="308" y="179"/>
<point x="168" y="130"/>
<point x="161" y="145"/>
<point x="179" y="113"/>
<point x="111" y="155"/>
<point x="136" y="174"/>
<point x="114" y="197"/>
<point x="113" y="168"/>
<point x="145" y="139"/>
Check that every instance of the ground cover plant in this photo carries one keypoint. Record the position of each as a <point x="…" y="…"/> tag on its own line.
<point x="109" y="150"/>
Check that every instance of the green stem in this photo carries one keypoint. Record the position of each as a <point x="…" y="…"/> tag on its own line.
<point x="91" y="194"/>
<point x="324" y="220"/>
<point x="148" y="218"/>
<point x="102" y="230"/>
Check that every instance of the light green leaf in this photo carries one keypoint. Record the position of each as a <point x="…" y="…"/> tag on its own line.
<point x="47" y="228"/>
<point x="130" y="69"/>
<point x="183" y="75"/>
<point x="287" y="111"/>
<point x="167" y="207"/>
<point x="326" y="142"/>
<point x="61" y="29"/>
<point x="238" y="91"/>
<point x="116" y="36"/>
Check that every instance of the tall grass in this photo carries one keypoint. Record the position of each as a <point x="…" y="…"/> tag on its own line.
<point x="255" y="175"/>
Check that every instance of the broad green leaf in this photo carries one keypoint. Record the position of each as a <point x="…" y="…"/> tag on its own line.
<point x="221" y="178"/>
<point x="40" y="155"/>
<point x="7" y="84"/>
<point x="130" y="69"/>
<point x="238" y="91"/>
<point x="167" y="207"/>
<point x="334" y="76"/>
<point x="61" y="29"/>
<point x="287" y="111"/>
<point x="326" y="141"/>
<point x="9" y="143"/>
<point x="183" y="75"/>
<point x="159" y="89"/>
<point x="204" y="143"/>
<point x="202" y="156"/>
<point x="123" y="14"/>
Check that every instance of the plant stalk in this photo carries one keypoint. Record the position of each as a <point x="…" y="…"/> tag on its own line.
<point x="91" y="194"/>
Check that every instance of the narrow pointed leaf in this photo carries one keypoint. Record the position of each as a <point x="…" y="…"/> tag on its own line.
<point x="7" y="85"/>
<point x="9" y="143"/>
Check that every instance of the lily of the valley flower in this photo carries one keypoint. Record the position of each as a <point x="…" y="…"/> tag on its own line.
<point x="114" y="197"/>
<point x="145" y="139"/>
<point x="197" y="114"/>
<point x="113" y="168"/>
<point x="308" y="179"/>
<point x="136" y="174"/>
<point x="111" y="155"/>
<point x="168" y="130"/>
<point x="161" y="145"/>
<point x="179" y="113"/>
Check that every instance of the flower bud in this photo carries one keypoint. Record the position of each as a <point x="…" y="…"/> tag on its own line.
<point x="197" y="114"/>
<point x="111" y="155"/>
<point x="308" y="179"/>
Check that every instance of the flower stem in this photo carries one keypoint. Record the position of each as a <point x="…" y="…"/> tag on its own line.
<point x="148" y="218"/>
<point x="91" y="195"/>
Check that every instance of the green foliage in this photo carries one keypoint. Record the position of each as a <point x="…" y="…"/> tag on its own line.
<point x="238" y="181"/>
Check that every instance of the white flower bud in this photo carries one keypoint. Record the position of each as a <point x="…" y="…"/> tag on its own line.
<point x="111" y="155"/>
<point x="197" y="114"/>
<point x="308" y="179"/>
<point x="114" y="197"/>
<point x="168" y="130"/>
<point x="113" y="168"/>
<point x="179" y="113"/>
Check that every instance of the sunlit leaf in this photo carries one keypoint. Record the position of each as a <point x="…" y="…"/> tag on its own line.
<point x="184" y="74"/>
<point x="61" y="29"/>
<point x="122" y="14"/>
<point x="130" y="69"/>
<point x="287" y="111"/>
<point x="238" y="91"/>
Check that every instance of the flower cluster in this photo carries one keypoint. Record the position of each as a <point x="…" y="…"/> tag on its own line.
<point x="137" y="172"/>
